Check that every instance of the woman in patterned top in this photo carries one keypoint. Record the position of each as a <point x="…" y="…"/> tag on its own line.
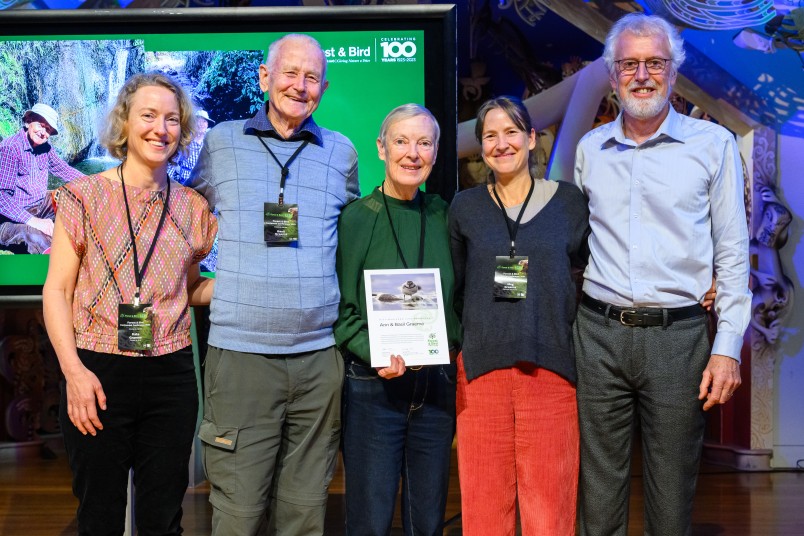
<point x="123" y="271"/>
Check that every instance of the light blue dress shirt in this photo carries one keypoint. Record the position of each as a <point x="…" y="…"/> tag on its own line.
<point x="664" y="215"/>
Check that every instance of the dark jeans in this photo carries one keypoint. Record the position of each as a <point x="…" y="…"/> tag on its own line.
<point x="149" y="423"/>
<point x="397" y="428"/>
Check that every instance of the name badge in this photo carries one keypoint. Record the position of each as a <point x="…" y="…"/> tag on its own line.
<point x="511" y="277"/>
<point x="135" y="327"/>
<point x="281" y="223"/>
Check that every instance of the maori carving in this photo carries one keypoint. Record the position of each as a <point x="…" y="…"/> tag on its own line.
<point x="720" y="15"/>
<point x="28" y="365"/>
<point x="773" y="290"/>
<point x="22" y="367"/>
<point x="530" y="11"/>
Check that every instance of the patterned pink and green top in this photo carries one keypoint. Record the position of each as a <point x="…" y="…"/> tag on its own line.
<point x="94" y="216"/>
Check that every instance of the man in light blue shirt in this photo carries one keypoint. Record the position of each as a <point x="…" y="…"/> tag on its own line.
<point x="666" y="210"/>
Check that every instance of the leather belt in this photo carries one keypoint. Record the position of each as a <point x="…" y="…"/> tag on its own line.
<point x="642" y="316"/>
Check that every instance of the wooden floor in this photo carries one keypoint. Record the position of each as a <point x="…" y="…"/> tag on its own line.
<point x="36" y="500"/>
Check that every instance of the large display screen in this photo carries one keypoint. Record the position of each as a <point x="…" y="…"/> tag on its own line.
<point x="74" y="63"/>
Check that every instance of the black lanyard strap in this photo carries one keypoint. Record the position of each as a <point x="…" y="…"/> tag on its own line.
<point x="285" y="168"/>
<point x="139" y="273"/>
<point x="512" y="230"/>
<point x="393" y="232"/>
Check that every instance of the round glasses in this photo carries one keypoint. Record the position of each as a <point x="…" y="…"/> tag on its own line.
<point x="652" y="65"/>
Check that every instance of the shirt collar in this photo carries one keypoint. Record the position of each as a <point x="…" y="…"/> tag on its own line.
<point x="670" y="128"/>
<point x="259" y="124"/>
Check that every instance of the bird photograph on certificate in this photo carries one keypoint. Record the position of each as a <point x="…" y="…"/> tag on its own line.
<point x="406" y="317"/>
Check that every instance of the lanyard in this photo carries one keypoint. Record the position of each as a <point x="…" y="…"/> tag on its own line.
<point x="285" y="168"/>
<point x="140" y="272"/>
<point x="393" y="232"/>
<point x="513" y="230"/>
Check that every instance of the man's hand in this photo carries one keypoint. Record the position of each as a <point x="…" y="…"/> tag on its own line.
<point x="720" y="379"/>
<point x="42" y="224"/>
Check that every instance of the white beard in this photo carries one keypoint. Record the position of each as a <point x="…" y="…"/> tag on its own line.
<point x="640" y="108"/>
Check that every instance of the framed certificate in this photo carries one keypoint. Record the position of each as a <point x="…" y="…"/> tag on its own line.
<point x="406" y="316"/>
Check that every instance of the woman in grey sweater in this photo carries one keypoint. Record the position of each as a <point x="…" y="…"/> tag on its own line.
<point x="514" y="243"/>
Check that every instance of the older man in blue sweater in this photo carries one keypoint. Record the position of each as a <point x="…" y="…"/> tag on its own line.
<point x="272" y="377"/>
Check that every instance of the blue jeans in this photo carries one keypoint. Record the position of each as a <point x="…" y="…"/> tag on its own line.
<point x="395" y="428"/>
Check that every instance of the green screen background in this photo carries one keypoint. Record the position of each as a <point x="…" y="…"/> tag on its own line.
<point x="362" y="90"/>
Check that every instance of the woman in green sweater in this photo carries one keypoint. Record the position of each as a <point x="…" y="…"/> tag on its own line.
<point x="398" y="421"/>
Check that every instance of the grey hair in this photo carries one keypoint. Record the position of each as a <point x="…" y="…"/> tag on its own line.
<point x="273" y="50"/>
<point x="406" y="111"/>
<point x="643" y="25"/>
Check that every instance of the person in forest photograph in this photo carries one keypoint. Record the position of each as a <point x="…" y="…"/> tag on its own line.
<point x="26" y="159"/>
<point x="31" y="165"/>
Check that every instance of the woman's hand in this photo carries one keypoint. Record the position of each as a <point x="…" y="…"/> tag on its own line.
<point x="395" y="370"/>
<point x="709" y="298"/>
<point x="84" y="395"/>
<point x="199" y="289"/>
<point x="84" y="391"/>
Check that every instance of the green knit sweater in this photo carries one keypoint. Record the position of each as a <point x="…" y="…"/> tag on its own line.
<point x="365" y="242"/>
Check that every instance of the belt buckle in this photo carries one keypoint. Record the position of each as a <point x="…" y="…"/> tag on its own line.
<point x="622" y="317"/>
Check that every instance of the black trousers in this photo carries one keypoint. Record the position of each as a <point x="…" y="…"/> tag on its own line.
<point x="649" y="374"/>
<point x="149" y="425"/>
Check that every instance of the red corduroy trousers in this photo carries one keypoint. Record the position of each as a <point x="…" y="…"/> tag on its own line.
<point x="517" y="439"/>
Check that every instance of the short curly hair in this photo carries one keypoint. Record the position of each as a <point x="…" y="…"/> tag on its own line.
<point x="408" y="111"/>
<point x="114" y="136"/>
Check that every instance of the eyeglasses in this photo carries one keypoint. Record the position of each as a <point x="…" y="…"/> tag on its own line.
<point x="630" y="66"/>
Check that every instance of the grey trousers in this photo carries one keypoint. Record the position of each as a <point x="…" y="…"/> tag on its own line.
<point x="270" y="437"/>
<point x="651" y="374"/>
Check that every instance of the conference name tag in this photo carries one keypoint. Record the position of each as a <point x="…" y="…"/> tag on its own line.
<point x="135" y="327"/>
<point x="281" y="223"/>
<point x="511" y="277"/>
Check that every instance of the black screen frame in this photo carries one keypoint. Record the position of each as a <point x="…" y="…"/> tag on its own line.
<point x="438" y="22"/>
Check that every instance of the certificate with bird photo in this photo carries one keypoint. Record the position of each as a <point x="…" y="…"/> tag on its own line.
<point x="405" y="310"/>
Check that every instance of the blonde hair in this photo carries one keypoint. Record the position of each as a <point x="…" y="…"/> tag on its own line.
<point x="114" y="136"/>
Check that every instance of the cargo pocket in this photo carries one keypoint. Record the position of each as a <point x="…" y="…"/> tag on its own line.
<point x="219" y="455"/>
